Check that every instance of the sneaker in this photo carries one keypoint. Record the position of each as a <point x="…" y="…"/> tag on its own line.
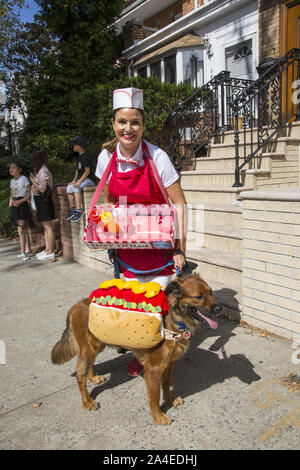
<point x="24" y="257"/>
<point x="28" y="253"/>
<point x="41" y="253"/>
<point x="77" y="216"/>
<point x="46" y="257"/>
<point x="134" y="368"/>
<point x="71" y="212"/>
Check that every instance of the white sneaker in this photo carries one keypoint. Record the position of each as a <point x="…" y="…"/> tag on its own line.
<point x="24" y="257"/>
<point x="45" y="257"/>
<point x="41" y="253"/>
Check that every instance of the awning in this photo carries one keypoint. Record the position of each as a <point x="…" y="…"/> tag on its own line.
<point x="189" y="40"/>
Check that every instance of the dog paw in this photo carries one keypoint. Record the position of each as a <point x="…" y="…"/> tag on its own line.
<point x="178" y="401"/>
<point x="171" y="400"/>
<point x="91" y="405"/>
<point x="162" y="419"/>
<point x="97" y="379"/>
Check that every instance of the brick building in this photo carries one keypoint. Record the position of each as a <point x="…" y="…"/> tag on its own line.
<point x="190" y="40"/>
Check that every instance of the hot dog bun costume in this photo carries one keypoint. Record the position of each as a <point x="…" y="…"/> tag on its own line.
<point x="128" y="313"/>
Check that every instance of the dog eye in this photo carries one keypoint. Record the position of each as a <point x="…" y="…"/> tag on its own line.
<point x="200" y="296"/>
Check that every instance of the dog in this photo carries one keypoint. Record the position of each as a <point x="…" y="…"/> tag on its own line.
<point x="190" y="301"/>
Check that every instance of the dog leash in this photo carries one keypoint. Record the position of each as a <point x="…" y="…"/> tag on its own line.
<point x="117" y="262"/>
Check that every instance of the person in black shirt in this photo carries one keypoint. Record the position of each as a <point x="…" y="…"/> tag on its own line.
<point x="84" y="177"/>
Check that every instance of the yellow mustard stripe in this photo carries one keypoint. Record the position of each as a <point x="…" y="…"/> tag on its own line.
<point x="151" y="289"/>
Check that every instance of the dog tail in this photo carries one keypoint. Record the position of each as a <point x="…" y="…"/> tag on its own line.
<point x="65" y="348"/>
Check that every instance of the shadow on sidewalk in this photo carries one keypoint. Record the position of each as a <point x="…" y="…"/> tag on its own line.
<point x="198" y="370"/>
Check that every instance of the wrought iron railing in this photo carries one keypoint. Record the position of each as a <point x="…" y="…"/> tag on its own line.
<point x="265" y="107"/>
<point x="203" y="115"/>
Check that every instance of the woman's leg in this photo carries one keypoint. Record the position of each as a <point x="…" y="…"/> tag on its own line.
<point x="22" y="235"/>
<point x="27" y="239"/>
<point x="49" y="236"/>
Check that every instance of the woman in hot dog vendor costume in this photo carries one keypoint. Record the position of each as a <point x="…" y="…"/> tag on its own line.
<point x="132" y="176"/>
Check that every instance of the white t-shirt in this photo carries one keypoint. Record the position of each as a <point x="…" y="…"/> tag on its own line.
<point x="18" y="187"/>
<point x="165" y="168"/>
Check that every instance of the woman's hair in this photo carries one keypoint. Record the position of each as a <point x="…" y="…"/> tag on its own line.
<point x="110" y="145"/>
<point x="39" y="158"/>
<point x="141" y="111"/>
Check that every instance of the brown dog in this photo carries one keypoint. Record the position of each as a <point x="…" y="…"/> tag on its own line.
<point x="190" y="300"/>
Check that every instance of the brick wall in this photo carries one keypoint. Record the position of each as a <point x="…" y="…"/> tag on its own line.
<point x="269" y="28"/>
<point x="188" y="6"/>
<point x="72" y="234"/>
<point x="271" y="260"/>
<point x="165" y="16"/>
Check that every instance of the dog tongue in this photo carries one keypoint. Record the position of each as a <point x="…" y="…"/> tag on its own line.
<point x="212" y="323"/>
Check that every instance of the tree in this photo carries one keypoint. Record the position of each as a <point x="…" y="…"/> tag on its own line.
<point x="84" y="53"/>
<point x="9" y="23"/>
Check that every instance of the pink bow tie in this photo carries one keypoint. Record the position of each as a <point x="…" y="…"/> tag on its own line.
<point x="129" y="161"/>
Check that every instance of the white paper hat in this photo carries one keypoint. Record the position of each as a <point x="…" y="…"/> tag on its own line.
<point x="128" y="98"/>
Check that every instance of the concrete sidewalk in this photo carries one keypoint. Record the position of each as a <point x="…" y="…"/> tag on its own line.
<point x="230" y="378"/>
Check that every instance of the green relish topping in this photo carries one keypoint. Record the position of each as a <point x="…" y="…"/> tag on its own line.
<point x="144" y="306"/>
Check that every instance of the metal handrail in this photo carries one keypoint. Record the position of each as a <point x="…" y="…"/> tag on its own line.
<point x="264" y="108"/>
<point x="202" y="115"/>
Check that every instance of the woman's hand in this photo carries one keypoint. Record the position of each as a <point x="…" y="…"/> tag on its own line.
<point x="16" y="203"/>
<point x="179" y="261"/>
<point x="76" y="184"/>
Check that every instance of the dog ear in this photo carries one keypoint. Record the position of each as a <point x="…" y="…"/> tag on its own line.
<point x="174" y="292"/>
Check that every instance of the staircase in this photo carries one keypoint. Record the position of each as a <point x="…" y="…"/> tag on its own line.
<point x="251" y="131"/>
<point x="218" y="256"/>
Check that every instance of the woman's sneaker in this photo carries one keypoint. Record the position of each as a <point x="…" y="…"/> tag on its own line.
<point x="71" y="213"/>
<point x="41" y="253"/>
<point x="24" y="257"/>
<point x="77" y="216"/>
<point x="46" y="257"/>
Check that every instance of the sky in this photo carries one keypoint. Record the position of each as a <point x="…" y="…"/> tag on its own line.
<point x="27" y="14"/>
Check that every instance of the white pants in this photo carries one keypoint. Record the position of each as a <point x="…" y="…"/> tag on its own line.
<point x="162" y="280"/>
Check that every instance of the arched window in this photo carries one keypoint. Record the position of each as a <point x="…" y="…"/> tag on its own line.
<point x="242" y="53"/>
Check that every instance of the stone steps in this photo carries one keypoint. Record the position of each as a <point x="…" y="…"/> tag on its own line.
<point x="211" y="194"/>
<point x="221" y="177"/>
<point x="217" y="266"/>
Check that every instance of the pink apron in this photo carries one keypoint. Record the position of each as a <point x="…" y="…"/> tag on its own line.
<point x="140" y="186"/>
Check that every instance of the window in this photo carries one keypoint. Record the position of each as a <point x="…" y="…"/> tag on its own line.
<point x="170" y="69"/>
<point x="142" y="72"/>
<point x="193" y="67"/>
<point x="239" y="60"/>
<point x="242" y="52"/>
<point x="155" y="69"/>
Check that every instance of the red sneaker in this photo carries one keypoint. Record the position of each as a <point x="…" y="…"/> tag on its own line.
<point x="134" y="368"/>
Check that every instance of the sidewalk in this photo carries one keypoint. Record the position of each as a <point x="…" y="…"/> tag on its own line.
<point x="230" y="379"/>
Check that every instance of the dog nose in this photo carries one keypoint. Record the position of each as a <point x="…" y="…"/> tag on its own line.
<point x="216" y="309"/>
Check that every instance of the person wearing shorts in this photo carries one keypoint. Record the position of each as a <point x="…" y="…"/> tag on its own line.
<point x="83" y="178"/>
<point x="20" y="194"/>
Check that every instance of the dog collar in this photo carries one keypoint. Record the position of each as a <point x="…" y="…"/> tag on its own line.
<point x="186" y="332"/>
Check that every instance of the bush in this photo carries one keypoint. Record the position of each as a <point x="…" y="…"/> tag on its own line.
<point x="6" y="227"/>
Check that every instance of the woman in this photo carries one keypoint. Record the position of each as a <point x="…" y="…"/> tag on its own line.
<point x="132" y="176"/>
<point x="20" y="195"/>
<point x="44" y="205"/>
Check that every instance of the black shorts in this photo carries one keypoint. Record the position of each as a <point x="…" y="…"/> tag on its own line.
<point x="44" y="209"/>
<point x="21" y="212"/>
